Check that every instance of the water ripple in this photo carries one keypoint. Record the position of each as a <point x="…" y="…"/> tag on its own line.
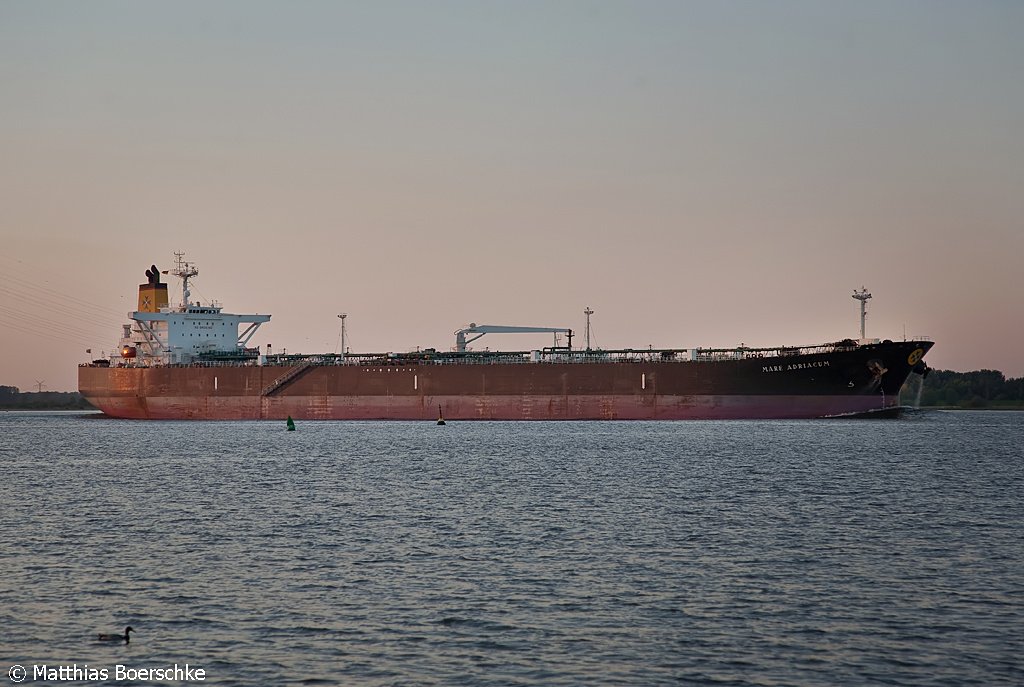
<point x="705" y="553"/>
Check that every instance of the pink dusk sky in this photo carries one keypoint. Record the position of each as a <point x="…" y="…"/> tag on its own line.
<point x="698" y="173"/>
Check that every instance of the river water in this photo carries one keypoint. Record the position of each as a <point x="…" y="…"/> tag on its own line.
<point x="495" y="553"/>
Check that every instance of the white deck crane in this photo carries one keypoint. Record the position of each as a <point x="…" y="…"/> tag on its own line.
<point x="481" y="329"/>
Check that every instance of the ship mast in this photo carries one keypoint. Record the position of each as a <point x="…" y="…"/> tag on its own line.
<point x="342" y="316"/>
<point x="185" y="271"/>
<point x="588" y="312"/>
<point x="863" y="297"/>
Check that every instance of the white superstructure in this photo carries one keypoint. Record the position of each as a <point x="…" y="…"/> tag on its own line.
<point x="161" y="334"/>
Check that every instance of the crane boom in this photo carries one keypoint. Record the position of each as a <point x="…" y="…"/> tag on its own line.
<point x="480" y="329"/>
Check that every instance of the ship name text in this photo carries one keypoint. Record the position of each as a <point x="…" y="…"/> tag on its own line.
<point x="794" y="366"/>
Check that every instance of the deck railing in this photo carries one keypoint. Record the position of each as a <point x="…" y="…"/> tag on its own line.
<point x="547" y="356"/>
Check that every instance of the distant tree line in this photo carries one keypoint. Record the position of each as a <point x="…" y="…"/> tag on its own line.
<point x="978" y="389"/>
<point x="12" y="398"/>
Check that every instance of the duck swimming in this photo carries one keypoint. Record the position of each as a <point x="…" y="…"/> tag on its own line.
<point x="117" y="638"/>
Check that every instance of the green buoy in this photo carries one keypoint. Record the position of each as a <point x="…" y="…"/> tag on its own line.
<point x="291" y="424"/>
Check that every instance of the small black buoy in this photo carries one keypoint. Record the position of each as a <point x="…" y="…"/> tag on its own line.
<point x="440" y="417"/>
<point x="291" y="424"/>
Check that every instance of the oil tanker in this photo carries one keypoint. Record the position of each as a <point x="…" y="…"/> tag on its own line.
<point x="193" y="361"/>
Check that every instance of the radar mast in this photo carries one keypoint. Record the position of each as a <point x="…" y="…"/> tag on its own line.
<point x="185" y="271"/>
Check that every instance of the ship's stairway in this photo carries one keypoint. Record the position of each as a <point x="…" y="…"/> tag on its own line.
<point x="289" y="376"/>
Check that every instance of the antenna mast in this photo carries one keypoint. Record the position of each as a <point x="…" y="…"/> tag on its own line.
<point x="588" y="312"/>
<point x="863" y="297"/>
<point x="343" y="316"/>
<point x="185" y="271"/>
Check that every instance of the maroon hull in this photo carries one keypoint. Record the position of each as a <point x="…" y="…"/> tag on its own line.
<point x="853" y="380"/>
<point x="493" y="408"/>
